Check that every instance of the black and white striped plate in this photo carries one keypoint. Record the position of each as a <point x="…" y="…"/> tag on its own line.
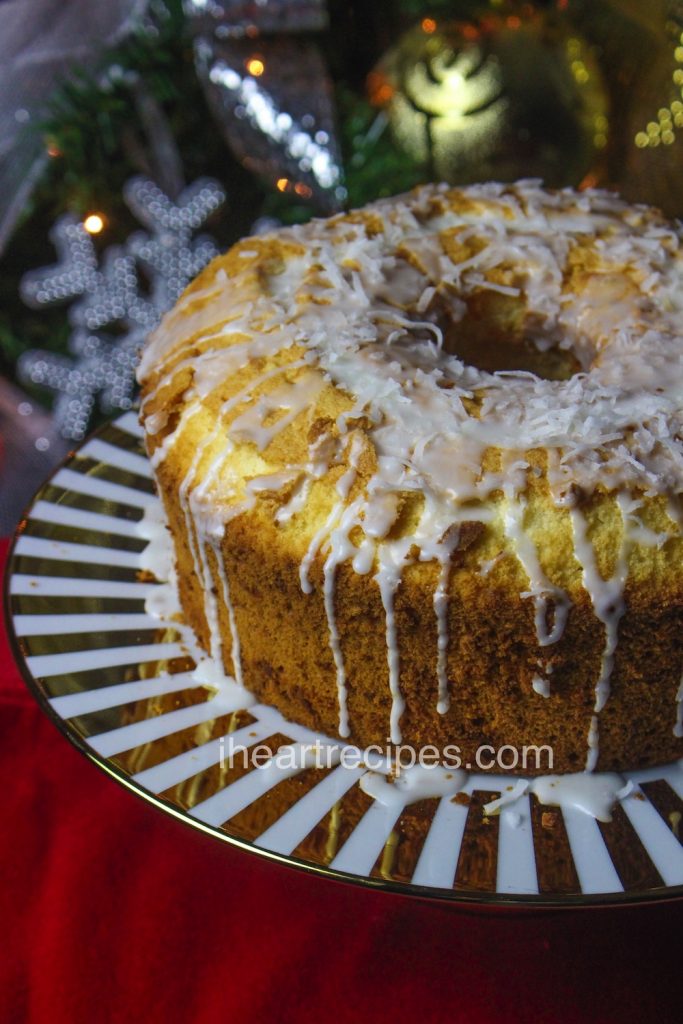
<point x="121" y="687"/>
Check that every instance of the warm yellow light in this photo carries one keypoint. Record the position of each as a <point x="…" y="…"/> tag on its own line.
<point x="255" y="66"/>
<point x="580" y="71"/>
<point x="93" y="223"/>
<point x="428" y="25"/>
<point x="282" y="184"/>
<point x="641" y="140"/>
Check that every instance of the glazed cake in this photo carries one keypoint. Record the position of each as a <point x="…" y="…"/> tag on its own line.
<point x="422" y="466"/>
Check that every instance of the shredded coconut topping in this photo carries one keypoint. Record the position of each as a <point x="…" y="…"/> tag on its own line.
<point x="377" y="301"/>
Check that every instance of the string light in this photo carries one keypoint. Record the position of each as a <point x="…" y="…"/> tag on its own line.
<point x="662" y="131"/>
<point x="93" y="223"/>
<point x="380" y="91"/>
<point x="580" y="71"/>
<point x="255" y="66"/>
<point x="601" y="127"/>
<point x="428" y="25"/>
<point x="579" y="64"/>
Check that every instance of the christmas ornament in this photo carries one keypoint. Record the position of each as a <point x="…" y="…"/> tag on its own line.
<point x="254" y="17"/>
<point x="272" y="95"/>
<point x="165" y="257"/>
<point x="496" y="96"/>
<point x="168" y="252"/>
<point x="104" y="367"/>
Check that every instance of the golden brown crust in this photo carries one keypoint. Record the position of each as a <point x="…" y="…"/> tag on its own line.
<point x="493" y="651"/>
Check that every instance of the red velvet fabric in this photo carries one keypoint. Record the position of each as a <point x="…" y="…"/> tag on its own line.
<point x="113" y="912"/>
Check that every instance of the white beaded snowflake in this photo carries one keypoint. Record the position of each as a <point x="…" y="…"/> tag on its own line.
<point x="110" y="293"/>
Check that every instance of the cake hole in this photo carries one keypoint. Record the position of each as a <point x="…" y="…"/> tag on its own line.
<point x="496" y="333"/>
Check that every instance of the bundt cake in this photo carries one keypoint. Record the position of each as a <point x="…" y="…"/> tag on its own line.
<point x="422" y="464"/>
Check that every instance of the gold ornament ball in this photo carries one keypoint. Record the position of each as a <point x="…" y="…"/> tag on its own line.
<point x="496" y="98"/>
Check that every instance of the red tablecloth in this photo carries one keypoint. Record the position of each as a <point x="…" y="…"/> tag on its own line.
<point x="113" y="912"/>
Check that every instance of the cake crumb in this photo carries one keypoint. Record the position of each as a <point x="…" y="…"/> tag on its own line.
<point x="461" y="798"/>
<point x="548" y="819"/>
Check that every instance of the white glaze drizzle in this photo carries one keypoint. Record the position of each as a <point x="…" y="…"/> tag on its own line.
<point x="157" y="557"/>
<point x="540" y="685"/>
<point x="392" y="557"/>
<point x="314" y="547"/>
<point x="235" y="646"/>
<point x="594" y="793"/>
<point x="443" y="700"/>
<point x="541" y="590"/>
<point x="419" y="782"/>
<point x="607" y="598"/>
<point x="341" y="549"/>
<point x="250" y="425"/>
<point x="678" y="725"/>
<point x="211" y="531"/>
<point x="297" y="501"/>
<point x="605" y="424"/>
<point x="189" y="412"/>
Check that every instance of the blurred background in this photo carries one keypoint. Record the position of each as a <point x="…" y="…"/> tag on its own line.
<point x="139" y="137"/>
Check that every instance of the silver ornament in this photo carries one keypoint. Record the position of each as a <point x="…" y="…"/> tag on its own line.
<point x="251" y="17"/>
<point x="168" y="251"/>
<point x="102" y="366"/>
<point x="74" y="273"/>
<point x="275" y="107"/>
